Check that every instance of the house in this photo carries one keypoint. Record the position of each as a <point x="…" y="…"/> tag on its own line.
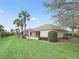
<point x="42" y="31"/>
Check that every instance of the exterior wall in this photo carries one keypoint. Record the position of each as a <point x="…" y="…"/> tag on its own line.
<point x="60" y="34"/>
<point x="44" y="33"/>
<point x="32" y="34"/>
<point x="35" y="38"/>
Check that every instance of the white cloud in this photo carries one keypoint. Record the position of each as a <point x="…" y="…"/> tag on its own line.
<point x="1" y="11"/>
<point x="33" y="18"/>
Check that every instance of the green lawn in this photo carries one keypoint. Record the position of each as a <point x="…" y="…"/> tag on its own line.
<point x="14" y="48"/>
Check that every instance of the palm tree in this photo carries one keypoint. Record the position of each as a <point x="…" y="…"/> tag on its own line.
<point x="1" y="27"/>
<point x="24" y="15"/>
<point x="17" y="22"/>
<point x="21" y="24"/>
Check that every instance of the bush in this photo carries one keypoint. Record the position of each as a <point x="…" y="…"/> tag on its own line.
<point x="6" y="34"/>
<point x="67" y="35"/>
<point x="52" y="36"/>
<point x="76" y="34"/>
<point x="9" y="34"/>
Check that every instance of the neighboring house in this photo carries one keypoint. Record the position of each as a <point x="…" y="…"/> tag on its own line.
<point x="42" y="31"/>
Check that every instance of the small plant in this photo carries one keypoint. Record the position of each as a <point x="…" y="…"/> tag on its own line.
<point x="52" y="36"/>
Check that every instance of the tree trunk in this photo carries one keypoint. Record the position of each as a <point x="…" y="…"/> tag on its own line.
<point x="72" y="30"/>
<point x="25" y="23"/>
<point x="18" y="32"/>
<point x="2" y="34"/>
<point x="25" y="27"/>
<point x="22" y="30"/>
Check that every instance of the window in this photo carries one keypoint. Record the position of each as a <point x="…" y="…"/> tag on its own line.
<point x="38" y="34"/>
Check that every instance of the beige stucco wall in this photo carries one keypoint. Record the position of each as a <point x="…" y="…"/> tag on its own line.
<point x="60" y="34"/>
<point x="45" y="33"/>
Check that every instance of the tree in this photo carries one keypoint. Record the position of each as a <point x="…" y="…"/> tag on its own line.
<point x="61" y="4"/>
<point x="18" y="23"/>
<point x="53" y="4"/>
<point x="12" y="31"/>
<point x="1" y="27"/>
<point x="67" y="11"/>
<point x="69" y="19"/>
<point x="24" y="15"/>
<point x="21" y="24"/>
<point x="1" y="30"/>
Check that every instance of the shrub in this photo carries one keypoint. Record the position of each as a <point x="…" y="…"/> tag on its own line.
<point x="67" y="35"/>
<point x="76" y="34"/>
<point x="52" y="36"/>
<point x="6" y="34"/>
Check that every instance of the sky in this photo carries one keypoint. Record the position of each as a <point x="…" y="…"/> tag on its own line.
<point x="9" y="10"/>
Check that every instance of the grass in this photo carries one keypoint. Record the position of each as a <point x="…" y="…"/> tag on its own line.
<point x="14" y="48"/>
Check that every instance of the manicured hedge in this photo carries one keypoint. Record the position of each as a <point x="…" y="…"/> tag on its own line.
<point x="52" y="36"/>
